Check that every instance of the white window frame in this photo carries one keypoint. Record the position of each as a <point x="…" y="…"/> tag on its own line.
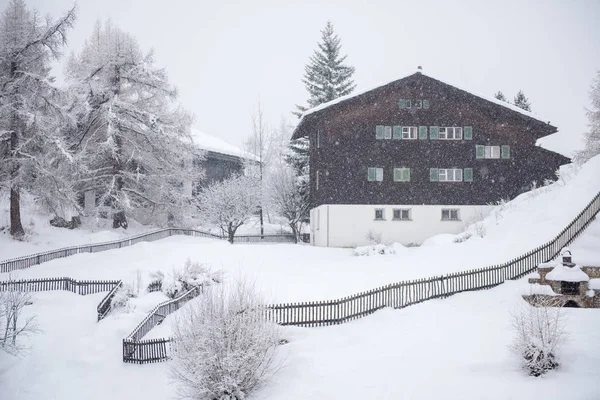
<point x="450" y="133"/>
<point x="491" y="152"/>
<point x="317" y="181"/>
<point x="378" y="174"/>
<point x="450" y="211"/>
<point x="382" y="214"/>
<point x="450" y="175"/>
<point x="387" y="132"/>
<point x="318" y="138"/>
<point x="410" y="132"/>
<point x="403" y="212"/>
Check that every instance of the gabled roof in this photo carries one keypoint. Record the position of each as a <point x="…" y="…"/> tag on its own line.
<point x="208" y="142"/>
<point x="501" y="103"/>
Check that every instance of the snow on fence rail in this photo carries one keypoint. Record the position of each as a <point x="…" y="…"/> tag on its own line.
<point x="49" y="284"/>
<point x="35" y="259"/>
<point x="406" y="293"/>
<point x="139" y="351"/>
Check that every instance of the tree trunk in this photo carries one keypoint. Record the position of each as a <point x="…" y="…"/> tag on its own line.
<point x="294" y="231"/>
<point x="262" y="228"/>
<point x="230" y="235"/>
<point x="16" y="228"/>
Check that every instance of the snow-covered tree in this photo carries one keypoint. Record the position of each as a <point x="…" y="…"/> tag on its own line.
<point x="326" y="77"/>
<point x="12" y="325"/>
<point x="296" y="156"/>
<point x="592" y="137"/>
<point x="288" y="198"/>
<point x="32" y="114"/>
<point x="500" y="96"/>
<point x="224" y="346"/>
<point x="231" y="203"/>
<point x="258" y="145"/>
<point x="133" y="140"/>
<point x="522" y="102"/>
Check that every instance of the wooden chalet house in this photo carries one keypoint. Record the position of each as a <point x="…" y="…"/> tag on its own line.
<point x="417" y="157"/>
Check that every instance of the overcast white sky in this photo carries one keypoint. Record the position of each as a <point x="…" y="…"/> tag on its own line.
<point x="226" y="55"/>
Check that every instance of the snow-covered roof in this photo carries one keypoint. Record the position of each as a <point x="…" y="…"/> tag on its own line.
<point x="567" y="274"/>
<point x="360" y="92"/>
<point x="210" y="143"/>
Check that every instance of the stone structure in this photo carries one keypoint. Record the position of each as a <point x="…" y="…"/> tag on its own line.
<point x="565" y="284"/>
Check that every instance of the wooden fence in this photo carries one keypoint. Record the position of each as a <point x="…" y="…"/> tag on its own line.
<point x="139" y="351"/>
<point x="404" y="294"/>
<point x="36" y="259"/>
<point x="49" y="284"/>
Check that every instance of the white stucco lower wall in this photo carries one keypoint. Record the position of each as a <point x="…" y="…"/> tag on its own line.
<point x="342" y="225"/>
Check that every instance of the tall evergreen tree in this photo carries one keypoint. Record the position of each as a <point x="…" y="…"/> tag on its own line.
<point x="133" y="141"/>
<point x="500" y="96"/>
<point x="326" y="77"/>
<point x="522" y="102"/>
<point x="592" y="137"/>
<point x="32" y="116"/>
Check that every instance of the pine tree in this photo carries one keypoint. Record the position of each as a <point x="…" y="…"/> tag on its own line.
<point x="32" y="115"/>
<point x="592" y="137"/>
<point x="133" y="141"/>
<point x="522" y="102"/>
<point x="500" y="96"/>
<point x="326" y="77"/>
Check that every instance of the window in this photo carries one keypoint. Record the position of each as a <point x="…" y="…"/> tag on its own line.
<point x="491" y="152"/>
<point x="318" y="138"/>
<point x="451" y="133"/>
<point x="450" y="214"/>
<point x="418" y="104"/>
<point x="401" y="214"/>
<point x="401" y="174"/>
<point x="450" y="175"/>
<point x="317" y="181"/>
<point x="374" y="174"/>
<point x="379" y="215"/>
<point x="409" y="132"/>
<point x="387" y="132"/>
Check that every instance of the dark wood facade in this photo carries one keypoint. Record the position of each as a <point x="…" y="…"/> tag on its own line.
<point x="348" y="146"/>
<point x="218" y="167"/>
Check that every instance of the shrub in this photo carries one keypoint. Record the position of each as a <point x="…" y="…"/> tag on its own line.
<point x="192" y="274"/>
<point x="224" y="347"/>
<point x="539" y="331"/>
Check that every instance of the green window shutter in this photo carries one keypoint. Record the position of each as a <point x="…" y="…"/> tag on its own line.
<point x="426" y="104"/>
<point x="379" y="132"/>
<point x="423" y="132"/>
<point x="468" y="175"/>
<point x="505" y="151"/>
<point x="406" y="174"/>
<point x="371" y="174"/>
<point x="397" y="174"/>
<point x="468" y="133"/>
<point x="397" y="132"/>
<point x="479" y="151"/>
<point x="433" y="174"/>
<point x="402" y="103"/>
<point x="434" y="132"/>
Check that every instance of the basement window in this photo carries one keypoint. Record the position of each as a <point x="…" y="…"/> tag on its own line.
<point x="401" y="214"/>
<point x="450" y="214"/>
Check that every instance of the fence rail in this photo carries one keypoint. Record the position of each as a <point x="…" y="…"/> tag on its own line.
<point x="36" y="259"/>
<point x="139" y="351"/>
<point x="407" y="293"/>
<point x="50" y="284"/>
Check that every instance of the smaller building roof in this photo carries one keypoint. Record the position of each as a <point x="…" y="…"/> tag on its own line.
<point x="567" y="274"/>
<point x="208" y="142"/>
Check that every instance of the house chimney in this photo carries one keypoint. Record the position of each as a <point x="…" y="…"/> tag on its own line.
<point x="566" y="258"/>
<point x="419" y="69"/>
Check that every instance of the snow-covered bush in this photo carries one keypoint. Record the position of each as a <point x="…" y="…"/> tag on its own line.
<point x="374" y="237"/>
<point x="156" y="281"/>
<point x="539" y="331"/>
<point x="120" y="301"/>
<point x="224" y="347"/>
<point x="377" y="249"/>
<point x="192" y="274"/>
